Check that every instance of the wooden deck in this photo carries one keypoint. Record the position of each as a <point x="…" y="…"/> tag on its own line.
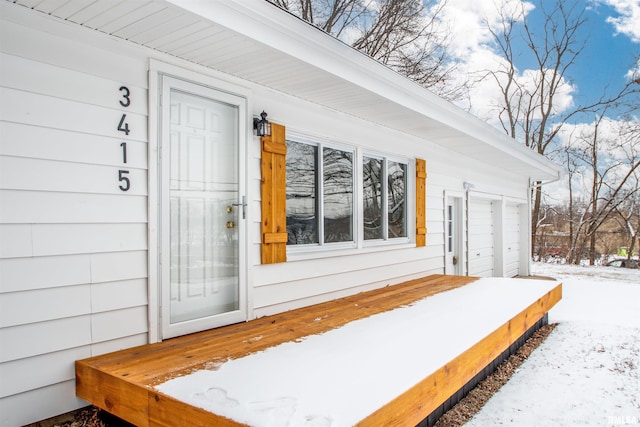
<point x="123" y="382"/>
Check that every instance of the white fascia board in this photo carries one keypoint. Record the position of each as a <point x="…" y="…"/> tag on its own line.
<point x="268" y="24"/>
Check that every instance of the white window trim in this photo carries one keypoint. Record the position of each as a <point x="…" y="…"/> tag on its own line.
<point x="313" y="247"/>
<point x="409" y="200"/>
<point x="359" y="245"/>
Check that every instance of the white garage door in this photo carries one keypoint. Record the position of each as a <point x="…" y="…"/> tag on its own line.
<point x="512" y="240"/>
<point x="481" y="240"/>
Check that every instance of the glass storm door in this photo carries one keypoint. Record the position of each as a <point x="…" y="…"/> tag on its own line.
<point x="202" y="209"/>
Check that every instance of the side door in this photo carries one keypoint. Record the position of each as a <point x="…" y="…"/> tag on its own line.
<point x="453" y="236"/>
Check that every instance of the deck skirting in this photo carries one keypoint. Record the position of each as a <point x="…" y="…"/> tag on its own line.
<point x="434" y="416"/>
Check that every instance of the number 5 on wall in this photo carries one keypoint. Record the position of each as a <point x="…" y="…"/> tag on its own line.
<point x="124" y="179"/>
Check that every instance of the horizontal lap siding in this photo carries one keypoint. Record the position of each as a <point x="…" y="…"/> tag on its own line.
<point x="73" y="245"/>
<point x="314" y="277"/>
<point x="302" y="282"/>
<point x="435" y="218"/>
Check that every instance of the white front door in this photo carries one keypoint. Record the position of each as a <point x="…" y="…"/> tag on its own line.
<point x="202" y="208"/>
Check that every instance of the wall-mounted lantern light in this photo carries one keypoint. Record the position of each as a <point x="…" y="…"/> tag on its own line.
<point x="262" y="126"/>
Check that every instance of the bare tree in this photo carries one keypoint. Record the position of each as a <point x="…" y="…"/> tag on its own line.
<point x="333" y="16"/>
<point x="405" y="35"/>
<point x="609" y="161"/>
<point x="531" y="106"/>
<point x="629" y="215"/>
<point x="529" y="111"/>
<point x="629" y="208"/>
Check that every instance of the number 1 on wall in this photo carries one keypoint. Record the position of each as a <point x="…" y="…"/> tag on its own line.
<point x="124" y="152"/>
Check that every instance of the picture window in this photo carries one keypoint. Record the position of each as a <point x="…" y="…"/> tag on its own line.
<point x="323" y="183"/>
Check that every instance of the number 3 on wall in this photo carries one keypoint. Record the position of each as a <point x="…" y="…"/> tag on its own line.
<point x="125" y="94"/>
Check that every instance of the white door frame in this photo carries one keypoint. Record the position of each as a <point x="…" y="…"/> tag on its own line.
<point x="236" y="95"/>
<point x="457" y="202"/>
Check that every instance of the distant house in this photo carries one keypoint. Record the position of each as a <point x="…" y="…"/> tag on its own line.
<point x="137" y="203"/>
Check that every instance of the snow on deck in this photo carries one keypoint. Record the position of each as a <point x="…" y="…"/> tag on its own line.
<point x="342" y="376"/>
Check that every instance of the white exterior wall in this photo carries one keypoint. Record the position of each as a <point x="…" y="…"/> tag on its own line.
<point x="73" y="246"/>
<point x="309" y="278"/>
<point x="75" y="270"/>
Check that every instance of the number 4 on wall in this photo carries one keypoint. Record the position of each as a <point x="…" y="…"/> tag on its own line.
<point x="123" y="126"/>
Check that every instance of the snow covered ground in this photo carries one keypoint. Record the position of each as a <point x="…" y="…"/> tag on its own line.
<point x="587" y="372"/>
<point x="342" y="376"/>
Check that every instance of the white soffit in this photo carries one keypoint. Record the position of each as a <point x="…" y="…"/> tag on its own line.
<point x="256" y="41"/>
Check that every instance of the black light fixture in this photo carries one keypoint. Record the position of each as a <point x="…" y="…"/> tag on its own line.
<point x="262" y="126"/>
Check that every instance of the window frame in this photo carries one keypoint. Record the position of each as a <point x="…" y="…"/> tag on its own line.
<point x="359" y="243"/>
<point x="320" y="219"/>
<point x="408" y="200"/>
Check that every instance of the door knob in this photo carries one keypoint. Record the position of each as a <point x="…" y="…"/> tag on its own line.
<point x="231" y="224"/>
<point x="455" y="260"/>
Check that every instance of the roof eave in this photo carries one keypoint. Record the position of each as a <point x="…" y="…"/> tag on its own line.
<point x="263" y="21"/>
<point x="230" y="33"/>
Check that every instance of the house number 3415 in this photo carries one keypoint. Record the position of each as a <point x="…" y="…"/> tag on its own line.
<point x="123" y="174"/>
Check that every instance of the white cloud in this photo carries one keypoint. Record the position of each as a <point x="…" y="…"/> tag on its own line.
<point x="615" y="141"/>
<point x="476" y="54"/>
<point x="468" y="20"/>
<point x="472" y="44"/>
<point x="628" y="20"/>
<point x="614" y="150"/>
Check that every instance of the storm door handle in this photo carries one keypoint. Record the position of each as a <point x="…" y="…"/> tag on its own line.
<point x="244" y="206"/>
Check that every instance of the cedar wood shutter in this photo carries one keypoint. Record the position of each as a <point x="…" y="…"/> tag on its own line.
<point x="273" y="228"/>
<point x="421" y="217"/>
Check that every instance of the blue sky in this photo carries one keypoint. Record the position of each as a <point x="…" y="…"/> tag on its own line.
<point x="607" y="56"/>
<point x="612" y="32"/>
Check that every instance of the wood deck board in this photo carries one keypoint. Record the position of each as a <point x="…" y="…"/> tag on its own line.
<point x="122" y="382"/>
<point x="155" y="363"/>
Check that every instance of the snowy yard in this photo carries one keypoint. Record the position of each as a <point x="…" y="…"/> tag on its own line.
<point x="587" y="372"/>
<point x="346" y="375"/>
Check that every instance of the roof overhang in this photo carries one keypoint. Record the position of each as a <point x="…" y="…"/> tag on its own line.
<point x="257" y="41"/>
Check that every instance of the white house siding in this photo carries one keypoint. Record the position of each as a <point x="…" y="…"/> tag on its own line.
<point x="309" y="278"/>
<point x="74" y="280"/>
<point x="73" y="246"/>
<point x="316" y="276"/>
